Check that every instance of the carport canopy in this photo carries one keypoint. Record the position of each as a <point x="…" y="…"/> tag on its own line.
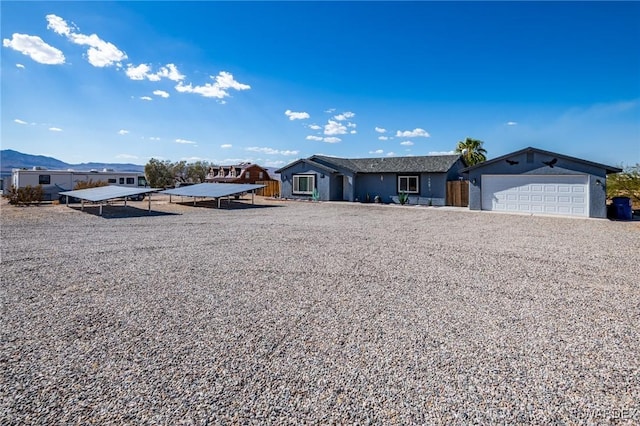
<point x="109" y="192"/>
<point x="213" y="190"/>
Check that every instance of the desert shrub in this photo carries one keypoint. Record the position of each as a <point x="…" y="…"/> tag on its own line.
<point x="25" y="196"/>
<point x="85" y="184"/>
<point x="625" y="184"/>
<point x="403" y="198"/>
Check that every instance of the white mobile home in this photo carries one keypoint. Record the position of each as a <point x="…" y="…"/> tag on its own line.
<point x="55" y="181"/>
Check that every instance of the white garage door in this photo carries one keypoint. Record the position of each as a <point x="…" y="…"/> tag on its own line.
<point x="550" y="194"/>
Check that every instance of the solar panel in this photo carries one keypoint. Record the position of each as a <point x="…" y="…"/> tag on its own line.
<point x="213" y="190"/>
<point x="102" y="193"/>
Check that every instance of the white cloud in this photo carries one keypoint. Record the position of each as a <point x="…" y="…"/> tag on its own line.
<point x="352" y="125"/>
<point x="391" y="154"/>
<point x="511" y="123"/>
<point x="138" y="73"/>
<point x="330" y="110"/>
<point x="35" y="48"/>
<point x="153" y="138"/>
<point x="161" y="93"/>
<point x="313" y="138"/>
<point x="271" y="151"/>
<point x="185" y="141"/>
<point x="413" y="133"/>
<point x="296" y="115"/>
<point x="380" y="130"/>
<point x="143" y="71"/>
<point x="58" y="25"/>
<point x="344" y="116"/>
<point x="171" y="72"/>
<point x="315" y="127"/>
<point x="20" y="66"/>
<point x="406" y="143"/>
<point x="219" y="89"/>
<point x="55" y="129"/>
<point x="353" y="132"/>
<point x="17" y="120"/>
<point x="334" y="128"/>
<point x="126" y="156"/>
<point x="100" y="53"/>
<point x="123" y="132"/>
<point x="383" y="138"/>
<point x="226" y="146"/>
<point x="377" y="151"/>
<point x="331" y="139"/>
<point x="274" y="163"/>
<point x="146" y="98"/>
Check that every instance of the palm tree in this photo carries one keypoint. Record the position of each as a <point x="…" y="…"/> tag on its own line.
<point x="472" y="151"/>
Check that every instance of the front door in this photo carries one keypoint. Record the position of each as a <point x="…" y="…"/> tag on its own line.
<point x="339" y="193"/>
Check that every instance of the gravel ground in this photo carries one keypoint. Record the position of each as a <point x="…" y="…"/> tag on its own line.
<point x="321" y="313"/>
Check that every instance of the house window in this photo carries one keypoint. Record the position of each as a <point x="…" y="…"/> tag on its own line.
<point x="408" y="184"/>
<point x="121" y="181"/>
<point x="142" y="181"/>
<point x="247" y="174"/>
<point x="304" y="184"/>
<point x="260" y="175"/>
<point x="111" y="180"/>
<point x="130" y="181"/>
<point x="44" y="179"/>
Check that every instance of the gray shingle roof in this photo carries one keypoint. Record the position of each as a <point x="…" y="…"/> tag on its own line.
<point x="608" y="169"/>
<point x="309" y="161"/>
<point x="428" y="163"/>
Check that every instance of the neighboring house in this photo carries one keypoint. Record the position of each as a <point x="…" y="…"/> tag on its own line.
<point x="55" y="181"/>
<point x="240" y="173"/>
<point x="423" y="178"/>
<point x="535" y="181"/>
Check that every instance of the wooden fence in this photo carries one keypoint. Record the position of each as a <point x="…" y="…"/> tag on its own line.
<point x="271" y="189"/>
<point x="457" y="193"/>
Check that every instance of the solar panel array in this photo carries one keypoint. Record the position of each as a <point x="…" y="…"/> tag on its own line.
<point x="103" y="193"/>
<point x="212" y="190"/>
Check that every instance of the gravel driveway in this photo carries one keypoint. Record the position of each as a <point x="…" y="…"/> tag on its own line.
<point x="321" y="313"/>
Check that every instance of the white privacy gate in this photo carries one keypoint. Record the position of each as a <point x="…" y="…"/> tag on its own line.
<point x="549" y="194"/>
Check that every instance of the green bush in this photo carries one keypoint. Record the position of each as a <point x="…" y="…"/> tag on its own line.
<point x="625" y="184"/>
<point x="403" y="198"/>
<point x="25" y="196"/>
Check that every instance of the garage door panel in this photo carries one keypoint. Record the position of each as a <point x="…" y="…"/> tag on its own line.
<point x="551" y="194"/>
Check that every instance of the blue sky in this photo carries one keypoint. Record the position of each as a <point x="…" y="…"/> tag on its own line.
<point x="271" y="82"/>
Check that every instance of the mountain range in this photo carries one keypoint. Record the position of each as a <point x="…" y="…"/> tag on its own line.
<point x="10" y="159"/>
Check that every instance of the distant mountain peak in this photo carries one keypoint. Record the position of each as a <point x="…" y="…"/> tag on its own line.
<point x="11" y="159"/>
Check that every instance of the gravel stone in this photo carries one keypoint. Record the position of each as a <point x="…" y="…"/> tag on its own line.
<point x="319" y="313"/>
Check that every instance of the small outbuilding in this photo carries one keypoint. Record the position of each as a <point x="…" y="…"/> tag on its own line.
<point x="423" y="178"/>
<point x="536" y="181"/>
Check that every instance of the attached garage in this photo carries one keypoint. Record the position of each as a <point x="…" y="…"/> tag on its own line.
<point x="548" y="194"/>
<point x="535" y="181"/>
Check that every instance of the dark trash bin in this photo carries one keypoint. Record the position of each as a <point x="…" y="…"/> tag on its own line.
<point x="622" y="208"/>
